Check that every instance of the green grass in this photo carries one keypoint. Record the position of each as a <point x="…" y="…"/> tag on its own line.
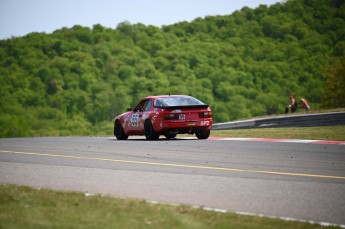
<point x="336" y="133"/>
<point x="24" y="207"/>
<point x="311" y="133"/>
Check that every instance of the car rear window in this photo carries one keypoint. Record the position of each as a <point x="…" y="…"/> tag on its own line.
<point x="177" y="101"/>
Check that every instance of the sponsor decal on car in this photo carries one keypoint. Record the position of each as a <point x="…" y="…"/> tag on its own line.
<point x="145" y="116"/>
<point x="181" y="116"/>
<point x="205" y="123"/>
<point x="154" y="118"/>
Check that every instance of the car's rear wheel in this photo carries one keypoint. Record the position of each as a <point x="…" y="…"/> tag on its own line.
<point x="170" y="136"/>
<point x="150" y="132"/>
<point x="203" y="134"/>
<point x="119" y="132"/>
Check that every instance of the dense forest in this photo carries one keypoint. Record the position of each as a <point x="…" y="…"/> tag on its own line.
<point x="75" y="80"/>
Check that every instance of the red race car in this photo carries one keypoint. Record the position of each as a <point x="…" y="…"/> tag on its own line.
<point x="165" y="115"/>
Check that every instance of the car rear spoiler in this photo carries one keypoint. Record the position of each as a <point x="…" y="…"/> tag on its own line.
<point x="183" y="107"/>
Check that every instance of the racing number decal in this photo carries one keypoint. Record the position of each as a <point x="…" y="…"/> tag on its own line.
<point x="135" y="119"/>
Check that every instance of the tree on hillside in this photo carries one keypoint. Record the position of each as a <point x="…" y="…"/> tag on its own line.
<point x="334" y="89"/>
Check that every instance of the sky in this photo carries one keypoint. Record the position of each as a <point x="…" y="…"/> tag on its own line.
<point x="20" y="17"/>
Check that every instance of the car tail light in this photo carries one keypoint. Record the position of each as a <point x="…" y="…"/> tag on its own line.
<point x="205" y="114"/>
<point x="170" y="116"/>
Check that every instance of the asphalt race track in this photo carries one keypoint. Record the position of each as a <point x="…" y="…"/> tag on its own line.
<point x="293" y="180"/>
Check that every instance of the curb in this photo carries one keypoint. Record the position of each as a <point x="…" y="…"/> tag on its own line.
<point x="317" y="142"/>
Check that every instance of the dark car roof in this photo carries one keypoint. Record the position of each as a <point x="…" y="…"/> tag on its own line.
<point x="163" y="96"/>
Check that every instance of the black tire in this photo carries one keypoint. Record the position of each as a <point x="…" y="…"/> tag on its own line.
<point x="118" y="131"/>
<point x="150" y="132"/>
<point x="203" y="134"/>
<point x="170" y="136"/>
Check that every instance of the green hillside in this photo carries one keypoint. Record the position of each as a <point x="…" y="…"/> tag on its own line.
<point x="75" y="80"/>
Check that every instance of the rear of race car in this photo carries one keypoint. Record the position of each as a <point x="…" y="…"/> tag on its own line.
<point x="192" y="117"/>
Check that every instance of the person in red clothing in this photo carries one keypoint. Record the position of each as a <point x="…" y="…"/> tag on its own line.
<point x="305" y="104"/>
<point x="292" y="106"/>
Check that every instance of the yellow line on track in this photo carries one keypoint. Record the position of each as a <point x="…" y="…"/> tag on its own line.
<point x="176" y="165"/>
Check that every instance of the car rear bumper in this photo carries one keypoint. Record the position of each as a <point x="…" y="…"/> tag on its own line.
<point x="185" y="126"/>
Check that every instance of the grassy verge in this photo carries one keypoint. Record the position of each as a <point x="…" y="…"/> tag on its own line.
<point x="24" y="207"/>
<point x="311" y="133"/>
